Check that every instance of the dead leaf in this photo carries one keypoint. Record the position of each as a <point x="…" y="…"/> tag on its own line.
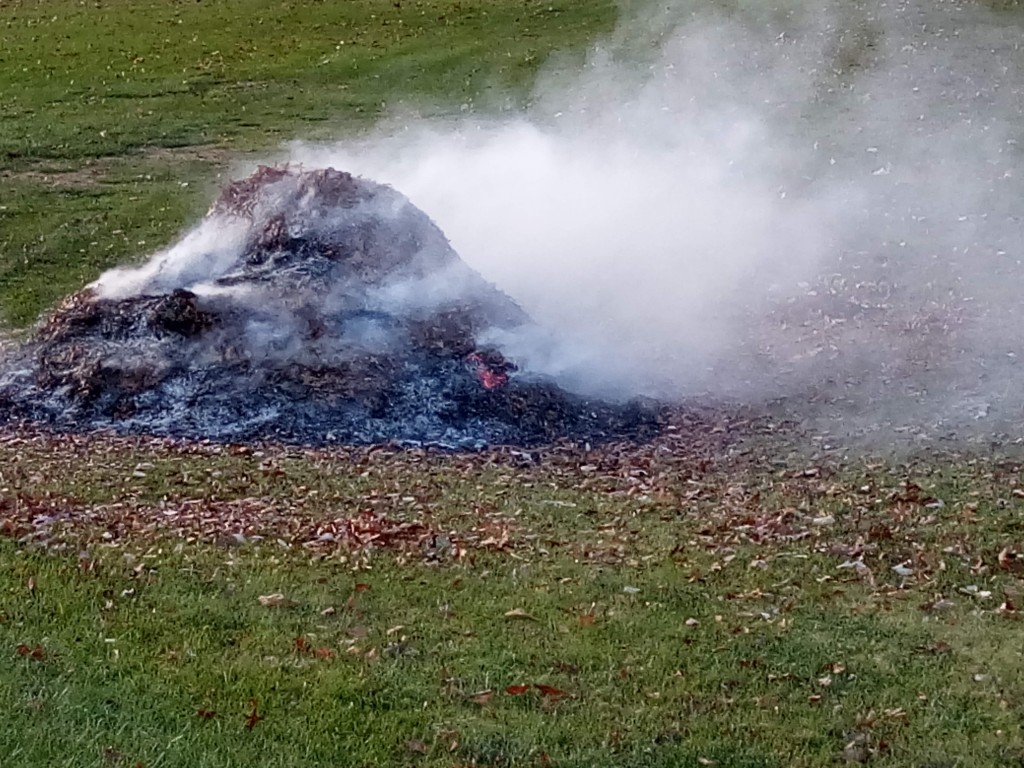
<point x="276" y="600"/>
<point x="1010" y="560"/>
<point x="519" y="613"/>
<point x="517" y="690"/>
<point x="417" y="746"/>
<point x="253" y="717"/>
<point x="205" y="714"/>
<point x="36" y="654"/>
<point x="856" y="751"/>
<point x="551" y="691"/>
<point x="482" y="698"/>
<point x="938" y="604"/>
<point x="934" y="648"/>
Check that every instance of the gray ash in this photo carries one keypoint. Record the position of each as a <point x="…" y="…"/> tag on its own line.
<point x="307" y="306"/>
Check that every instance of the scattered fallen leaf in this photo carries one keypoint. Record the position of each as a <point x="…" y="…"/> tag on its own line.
<point x="276" y="600"/>
<point x="417" y="746"/>
<point x="1010" y="560"/>
<point x="36" y="654"/>
<point x="938" y="604"/>
<point x="517" y="690"/>
<point x="551" y="691"/>
<point x="934" y="648"/>
<point x="253" y="717"/>
<point x="519" y="613"/>
<point x="482" y="697"/>
<point x="856" y="752"/>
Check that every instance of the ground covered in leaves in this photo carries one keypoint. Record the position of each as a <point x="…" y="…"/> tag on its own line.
<point x="713" y="597"/>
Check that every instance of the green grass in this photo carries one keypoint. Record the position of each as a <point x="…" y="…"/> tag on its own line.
<point x="93" y="79"/>
<point x="705" y="617"/>
<point x="93" y="94"/>
<point x="696" y="606"/>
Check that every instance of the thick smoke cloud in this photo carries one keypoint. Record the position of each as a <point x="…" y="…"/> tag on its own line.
<point x="816" y="201"/>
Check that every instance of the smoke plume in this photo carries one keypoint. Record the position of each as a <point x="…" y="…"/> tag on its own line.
<point x="817" y="202"/>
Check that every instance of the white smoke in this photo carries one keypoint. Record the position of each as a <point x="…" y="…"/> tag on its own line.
<point x="663" y="207"/>
<point x="817" y="200"/>
<point x="205" y="253"/>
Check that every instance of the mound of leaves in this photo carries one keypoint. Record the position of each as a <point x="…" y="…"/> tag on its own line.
<point x="307" y="306"/>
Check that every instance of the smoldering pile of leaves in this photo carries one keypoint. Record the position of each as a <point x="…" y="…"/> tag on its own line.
<point x="327" y="309"/>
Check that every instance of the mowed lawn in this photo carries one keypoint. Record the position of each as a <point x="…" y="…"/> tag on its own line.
<point x="178" y="604"/>
<point x="117" y="117"/>
<point x="719" y="596"/>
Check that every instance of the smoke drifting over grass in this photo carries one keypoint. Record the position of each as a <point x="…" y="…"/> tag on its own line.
<point x="816" y="201"/>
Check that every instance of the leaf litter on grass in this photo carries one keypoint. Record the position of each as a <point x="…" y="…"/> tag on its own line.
<point x="638" y="534"/>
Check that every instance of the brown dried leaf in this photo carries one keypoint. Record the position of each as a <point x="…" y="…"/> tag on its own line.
<point x="36" y="654"/>
<point x="1010" y="560"/>
<point x="551" y="692"/>
<point x="253" y="717"/>
<point x="482" y="698"/>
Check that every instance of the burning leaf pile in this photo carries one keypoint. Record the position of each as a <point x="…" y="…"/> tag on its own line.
<point x="307" y="306"/>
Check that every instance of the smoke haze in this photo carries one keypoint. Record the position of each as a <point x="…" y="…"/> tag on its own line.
<point x="819" y="202"/>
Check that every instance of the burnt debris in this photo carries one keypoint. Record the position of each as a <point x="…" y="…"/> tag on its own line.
<point x="307" y="306"/>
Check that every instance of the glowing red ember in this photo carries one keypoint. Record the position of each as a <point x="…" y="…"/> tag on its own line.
<point x="490" y="368"/>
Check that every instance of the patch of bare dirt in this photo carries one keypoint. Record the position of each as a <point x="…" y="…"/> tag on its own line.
<point x="95" y="171"/>
<point x="214" y="154"/>
<point x="86" y="177"/>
